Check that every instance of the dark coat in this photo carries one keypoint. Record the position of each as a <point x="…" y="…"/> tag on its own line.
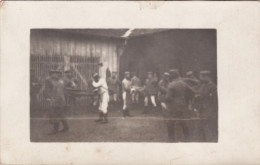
<point x="163" y="84"/>
<point x="151" y="87"/>
<point x="177" y="98"/>
<point x="207" y="101"/>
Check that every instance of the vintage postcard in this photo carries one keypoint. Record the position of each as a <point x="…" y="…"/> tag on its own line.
<point x="130" y="82"/>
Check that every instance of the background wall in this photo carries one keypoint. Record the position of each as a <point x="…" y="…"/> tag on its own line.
<point x="183" y="49"/>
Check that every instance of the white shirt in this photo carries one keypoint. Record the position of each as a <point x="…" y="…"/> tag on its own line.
<point x="102" y="85"/>
<point x="126" y="85"/>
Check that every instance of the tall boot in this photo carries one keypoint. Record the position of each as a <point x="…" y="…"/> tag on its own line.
<point x="65" y="126"/>
<point x="104" y="121"/>
<point x="100" y="117"/>
<point x="55" y="129"/>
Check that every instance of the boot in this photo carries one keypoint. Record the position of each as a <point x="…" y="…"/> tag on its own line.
<point x="65" y="126"/>
<point x="127" y="113"/>
<point x="100" y="117"/>
<point x="55" y="129"/>
<point x="104" y="121"/>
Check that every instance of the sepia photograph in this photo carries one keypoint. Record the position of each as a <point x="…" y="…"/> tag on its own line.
<point x="123" y="85"/>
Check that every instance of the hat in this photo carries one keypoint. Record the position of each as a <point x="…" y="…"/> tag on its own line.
<point x="205" y="72"/>
<point x="150" y="72"/>
<point x="95" y="75"/>
<point x="174" y="70"/>
<point x="189" y="73"/>
<point x="166" y="74"/>
<point x="127" y="73"/>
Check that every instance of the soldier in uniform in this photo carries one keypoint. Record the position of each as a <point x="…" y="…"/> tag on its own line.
<point x="54" y="93"/>
<point x="151" y="89"/>
<point x="102" y="90"/>
<point x="207" y="102"/>
<point x="177" y="98"/>
<point x="126" y="88"/>
<point x="136" y="83"/>
<point x="113" y="87"/>
<point x="163" y="84"/>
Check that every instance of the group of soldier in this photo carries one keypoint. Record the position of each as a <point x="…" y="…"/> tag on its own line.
<point x="178" y="98"/>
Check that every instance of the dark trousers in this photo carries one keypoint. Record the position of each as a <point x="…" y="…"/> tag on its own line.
<point x="179" y="124"/>
<point x="57" y="117"/>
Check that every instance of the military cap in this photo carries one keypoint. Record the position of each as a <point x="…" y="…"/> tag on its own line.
<point x="127" y="73"/>
<point x="205" y="72"/>
<point x="150" y="72"/>
<point x="174" y="70"/>
<point x="189" y="73"/>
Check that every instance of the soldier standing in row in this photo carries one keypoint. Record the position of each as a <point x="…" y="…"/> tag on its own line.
<point x="126" y="88"/>
<point x="71" y="83"/>
<point x="151" y="89"/>
<point x="163" y="84"/>
<point x="136" y="84"/>
<point x="113" y="87"/>
<point x="54" y="93"/>
<point x="207" y="102"/>
<point x="177" y="98"/>
<point x="102" y="90"/>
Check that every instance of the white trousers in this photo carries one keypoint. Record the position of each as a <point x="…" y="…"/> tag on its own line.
<point x="124" y="100"/>
<point x="103" y="102"/>
<point x="135" y="97"/>
<point x="146" y="100"/>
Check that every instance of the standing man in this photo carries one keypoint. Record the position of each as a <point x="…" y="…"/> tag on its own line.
<point x="151" y="90"/>
<point x="113" y="87"/>
<point x="208" y="107"/>
<point x="136" y="84"/>
<point x="54" y="93"/>
<point x="177" y="98"/>
<point x="163" y="84"/>
<point x="126" y="88"/>
<point x="102" y="90"/>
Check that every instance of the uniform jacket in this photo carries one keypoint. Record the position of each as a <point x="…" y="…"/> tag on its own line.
<point x="113" y="85"/>
<point x="151" y="87"/>
<point x="136" y="82"/>
<point x="163" y="84"/>
<point x="126" y="85"/>
<point x="54" y="90"/>
<point x="177" y="98"/>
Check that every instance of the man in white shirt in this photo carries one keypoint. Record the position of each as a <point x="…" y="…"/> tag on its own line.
<point x="102" y="89"/>
<point x="126" y="88"/>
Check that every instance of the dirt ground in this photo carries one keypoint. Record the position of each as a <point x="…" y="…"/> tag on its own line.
<point x="141" y="127"/>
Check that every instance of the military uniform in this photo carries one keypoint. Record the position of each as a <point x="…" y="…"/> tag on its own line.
<point x="151" y="90"/>
<point x="113" y="88"/>
<point x="126" y="88"/>
<point x="136" y="83"/>
<point x="207" y="106"/>
<point x="163" y="84"/>
<point x="54" y="93"/>
<point x="177" y="98"/>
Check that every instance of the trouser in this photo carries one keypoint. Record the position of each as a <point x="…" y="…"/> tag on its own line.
<point x="103" y="102"/>
<point x="125" y="96"/>
<point x="173" y="125"/>
<point x="209" y="130"/>
<point x="164" y="106"/>
<point x="57" y="116"/>
<point x="113" y="97"/>
<point x="135" y="97"/>
<point x="146" y="100"/>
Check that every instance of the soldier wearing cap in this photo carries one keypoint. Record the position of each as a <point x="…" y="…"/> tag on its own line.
<point x="136" y="84"/>
<point x="113" y="87"/>
<point x="100" y="86"/>
<point x="126" y="88"/>
<point x="54" y="94"/>
<point x="163" y="84"/>
<point x="151" y="89"/>
<point x="207" y="106"/>
<point x="177" y="98"/>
